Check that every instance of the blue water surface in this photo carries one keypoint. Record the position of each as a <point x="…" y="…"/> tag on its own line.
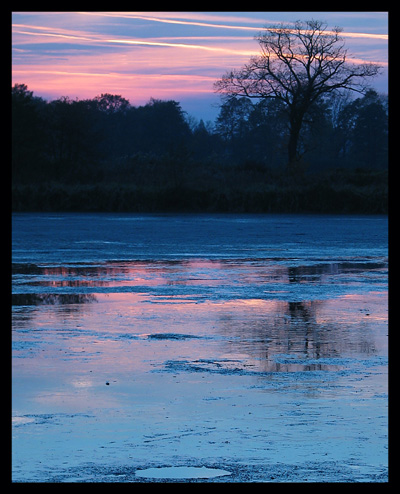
<point x="60" y="238"/>
<point x="283" y="257"/>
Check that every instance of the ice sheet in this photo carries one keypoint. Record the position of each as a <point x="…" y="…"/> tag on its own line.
<point x="272" y="368"/>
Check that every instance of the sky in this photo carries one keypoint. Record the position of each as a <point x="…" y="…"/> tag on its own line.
<point x="163" y="55"/>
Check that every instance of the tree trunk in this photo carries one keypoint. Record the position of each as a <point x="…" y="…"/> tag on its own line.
<point x="296" y="121"/>
<point x="294" y="133"/>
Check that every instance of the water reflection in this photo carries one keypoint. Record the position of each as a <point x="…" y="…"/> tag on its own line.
<point x="300" y="336"/>
<point x="52" y="298"/>
<point x="187" y="273"/>
<point x="233" y="311"/>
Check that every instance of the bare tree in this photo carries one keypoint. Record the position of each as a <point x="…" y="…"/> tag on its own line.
<point x="298" y="65"/>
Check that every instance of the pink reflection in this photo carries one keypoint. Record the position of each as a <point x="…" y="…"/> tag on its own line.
<point x="70" y="351"/>
<point x="83" y="339"/>
<point x="133" y="274"/>
<point x="352" y="324"/>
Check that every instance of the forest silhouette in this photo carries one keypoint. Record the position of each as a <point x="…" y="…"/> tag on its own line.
<point x="104" y="154"/>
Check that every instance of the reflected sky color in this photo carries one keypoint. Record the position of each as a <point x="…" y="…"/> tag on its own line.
<point x="165" y="55"/>
<point x="196" y="280"/>
<point x="136" y="341"/>
<point x="117" y="308"/>
<point x="67" y="350"/>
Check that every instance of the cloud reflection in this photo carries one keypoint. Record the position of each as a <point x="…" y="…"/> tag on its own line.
<point x="191" y="308"/>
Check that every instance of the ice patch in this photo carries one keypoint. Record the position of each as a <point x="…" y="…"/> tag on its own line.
<point x="171" y="336"/>
<point x="182" y="473"/>
<point x="217" y="366"/>
<point x="17" y="420"/>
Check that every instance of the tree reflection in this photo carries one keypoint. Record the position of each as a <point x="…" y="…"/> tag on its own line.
<point x="52" y="298"/>
<point x="26" y="305"/>
<point x="296" y="335"/>
<point x="266" y="329"/>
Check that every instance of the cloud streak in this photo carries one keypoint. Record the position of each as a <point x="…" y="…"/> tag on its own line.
<point x="38" y="31"/>
<point x="159" y="54"/>
<point x="179" y="45"/>
<point x="65" y="35"/>
<point x="223" y="26"/>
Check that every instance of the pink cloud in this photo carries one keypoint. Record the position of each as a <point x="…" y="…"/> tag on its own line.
<point x="144" y="54"/>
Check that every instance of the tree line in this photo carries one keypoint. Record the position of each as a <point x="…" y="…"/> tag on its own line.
<point x="106" y="154"/>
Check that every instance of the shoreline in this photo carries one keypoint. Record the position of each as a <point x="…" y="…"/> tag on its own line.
<point x="304" y="199"/>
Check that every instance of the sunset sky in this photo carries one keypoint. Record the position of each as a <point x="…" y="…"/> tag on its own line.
<point x="164" y="55"/>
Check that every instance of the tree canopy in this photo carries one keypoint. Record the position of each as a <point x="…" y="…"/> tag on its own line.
<point x="298" y="65"/>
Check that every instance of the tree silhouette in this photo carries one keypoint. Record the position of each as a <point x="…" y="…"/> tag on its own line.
<point x="298" y="65"/>
<point x="111" y="103"/>
<point x="103" y="154"/>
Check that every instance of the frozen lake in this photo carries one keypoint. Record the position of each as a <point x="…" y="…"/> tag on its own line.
<point x="170" y="348"/>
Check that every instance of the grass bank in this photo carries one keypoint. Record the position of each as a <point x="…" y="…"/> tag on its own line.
<point x="324" y="195"/>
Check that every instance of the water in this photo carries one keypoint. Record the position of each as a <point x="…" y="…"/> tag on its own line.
<point x="104" y="237"/>
<point x="253" y="344"/>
